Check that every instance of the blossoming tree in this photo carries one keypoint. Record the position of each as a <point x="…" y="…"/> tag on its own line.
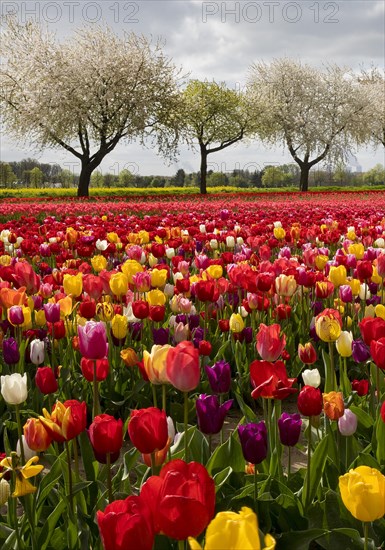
<point x="312" y="111"/>
<point x="85" y="94"/>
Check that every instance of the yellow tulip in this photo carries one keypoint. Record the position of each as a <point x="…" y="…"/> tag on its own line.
<point x="129" y="357"/>
<point x="380" y="311"/>
<point x="155" y="364"/>
<point x="351" y="235"/>
<point x="112" y="237"/>
<point x="5" y="259"/>
<point x="236" y="323"/>
<point x="119" y="284"/>
<point x="355" y="285"/>
<point x="337" y="275"/>
<point x="357" y="249"/>
<point x="215" y="271"/>
<point x="234" y="532"/>
<point x="119" y="326"/>
<point x="105" y="311"/>
<point x="40" y="319"/>
<point x="144" y="236"/>
<point x="328" y="326"/>
<point x="22" y="485"/>
<point x="344" y="344"/>
<point x="130" y="268"/>
<point x="98" y="263"/>
<point x="156" y="298"/>
<point x="27" y="323"/>
<point x="320" y="261"/>
<point x="285" y="285"/>
<point x="158" y="277"/>
<point x="375" y="276"/>
<point x="363" y="493"/>
<point x="73" y="284"/>
<point x="65" y="306"/>
<point x="279" y="233"/>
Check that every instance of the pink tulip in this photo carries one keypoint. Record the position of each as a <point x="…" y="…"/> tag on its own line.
<point x="269" y="343"/>
<point x="93" y="340"/>
<point x="182" y="366"/>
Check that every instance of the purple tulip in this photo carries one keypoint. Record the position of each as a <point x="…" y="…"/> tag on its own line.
<point x="198" y="336"/>
<point x="248" y="334"/>
<point x="346" y="294"/>
<point x="52" y="312"/>
<point x="136" y="331"/>
<point x="181" y="318"/>
<point x="253" y="438"/>
<point x="224" y="214"/>
<point x="16" y="315"/>
<point x="193" y="321"/>
<point x="210" y="414"/>
<point x="360" y="351"/>
<point x="374" y="301"/>
<point x="93" y="340"/>
<point x="289" y="426"/>
<point x="37" y="302"/>
<point x="219" y="376"/>
<point x="11" y="352"/>
<point x="161" y="336"/>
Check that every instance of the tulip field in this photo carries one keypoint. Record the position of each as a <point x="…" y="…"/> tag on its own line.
<point x="193" y="372"/>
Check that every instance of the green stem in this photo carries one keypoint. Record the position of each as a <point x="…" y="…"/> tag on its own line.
<point x="154" y="398"/>
<point x="70" y="495"/>
<point x="221" y="432"/>
<point x="332" y="382"/>
<point x="210" y="444"/>
<point x="109" y="479"/>
<point x="181" y="545"/>
<point x="307" y="503"/>
<point x="164" y="388"/>
<point x="19" y="430"/>
<point x="96" y="404"/>
<point x="289" y="464"/>
<point x="185" y="425"/>
<point x="255" y="485"/>
<point x="366" y="535"/>
<point x="76" y="458"/>
<point x="378" y="385"/>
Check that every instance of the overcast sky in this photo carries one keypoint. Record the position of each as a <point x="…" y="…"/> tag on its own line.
<point x="220" y="40"/>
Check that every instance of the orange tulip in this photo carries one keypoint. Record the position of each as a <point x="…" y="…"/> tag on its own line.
<point x="10" y="297"/>
<point x="333" y="405"/>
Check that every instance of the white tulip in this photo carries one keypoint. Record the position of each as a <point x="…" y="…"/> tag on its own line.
<point x="14" y="388"/>
<point x="311" y="377"/>
<point x="37" y="352"/>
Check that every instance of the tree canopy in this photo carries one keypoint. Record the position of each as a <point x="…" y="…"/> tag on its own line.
<point x="85" y="94"/>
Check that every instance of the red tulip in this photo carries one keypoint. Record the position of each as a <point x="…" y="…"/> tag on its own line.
<point x="45" y="380"/>
<point x="26" y="277"/>
<point x="102" y="368"/>
<point x="87" y="309"/>
<point x="182" y="366"/>
<point x="106" y="436"/>
<point x="147" y="429"/>
<point x="377" y="350"/>
<point x="364" y="270"/>
<point x="269" y="343"/>
<point x="372" y="328"/>
<point x="382" y="411"/>
<point x="310" y="401"/>
<point x="141" y="309"/>
<point x="361" y="387"/>
<point x="66" y="421"/>
<point x="270" y="380"/>
<point x="36" y="436"/>
<point x="126" y="524"/>
<point x="181" y="498"/>
<point x="307" y="353"/>
<point x="206" y="291"/>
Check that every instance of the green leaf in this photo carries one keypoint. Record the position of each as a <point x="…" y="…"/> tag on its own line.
<point x="221" y="477"/>
<point x="129" y="460"/>
<point x="299" y="540"/>
<point x="363" y="417"/>
<point x="316" y="470"/>
<point x="380" y="439"/>
<point x="88" y="458"/>
<point x="228" y="454"/>
<point x="50" y="524"/>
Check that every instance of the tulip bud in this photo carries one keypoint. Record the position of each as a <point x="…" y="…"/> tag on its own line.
<point x="344" y="344"/>
<point x="289" y="426"/>
<point x="36" y="352"/>
<point x="307" y="354"/>
<point x="14" y="388"/>
<point x="5" y="490"/>
<point x="11" y="352"/>
<point x="347" y="424"/>
<point x="311" y="377"/>
<point x="45" y="380"/>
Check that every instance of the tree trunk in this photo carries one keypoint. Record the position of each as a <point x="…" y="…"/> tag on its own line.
<point x="304" y="181"/>
<point x="84" y="179"/>
<point x="203" y="187"/>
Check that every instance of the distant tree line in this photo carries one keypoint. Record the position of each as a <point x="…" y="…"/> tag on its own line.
<point x="31" y="173"/>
